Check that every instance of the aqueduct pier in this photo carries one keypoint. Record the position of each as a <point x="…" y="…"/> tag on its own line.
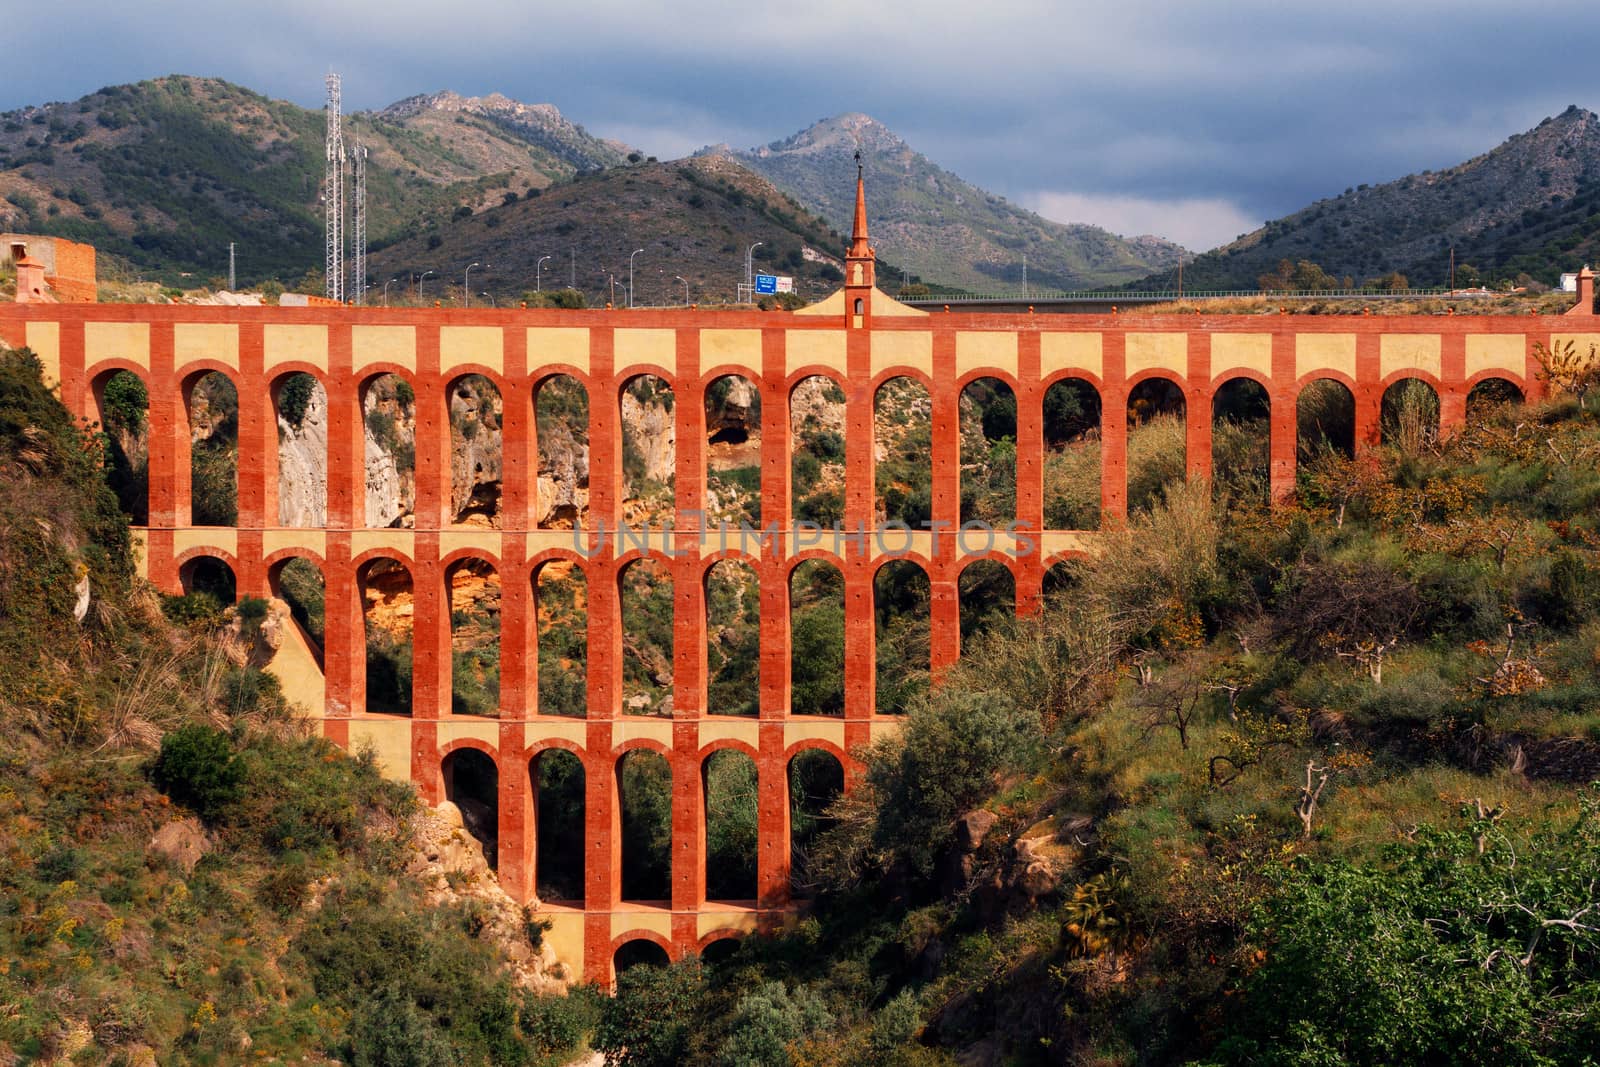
<point x="859" y="338"/>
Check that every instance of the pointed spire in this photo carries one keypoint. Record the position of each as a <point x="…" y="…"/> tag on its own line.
<point x="858" y="233"/>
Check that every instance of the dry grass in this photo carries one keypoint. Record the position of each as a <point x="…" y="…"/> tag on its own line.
<point x="1555" y="303"/>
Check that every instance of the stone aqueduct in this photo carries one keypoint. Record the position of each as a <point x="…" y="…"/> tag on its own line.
<point x="859" y="337"/>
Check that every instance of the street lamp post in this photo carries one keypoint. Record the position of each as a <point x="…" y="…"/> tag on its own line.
<point x="749" y="268"/>
<point x="635" y="252"/>
<point x="538" y="273"/>
<point x="466" y="283"/>
<point x="386" y="285"/>
<point x="685" y="282"/>
<point x="420" y="281"/>
<point x="486" y="296"/>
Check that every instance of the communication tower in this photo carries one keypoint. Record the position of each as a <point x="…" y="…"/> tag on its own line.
<point x="333" y="195"/>
<point x="358" y="251"/>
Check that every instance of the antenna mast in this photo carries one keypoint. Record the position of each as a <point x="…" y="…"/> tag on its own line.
<point x="333" y="195"/>
<point x="358" y="280"/>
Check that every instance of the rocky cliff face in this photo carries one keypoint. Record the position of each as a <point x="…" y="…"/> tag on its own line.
<point x="563" y="491"/>
<point x="389" y="412"/>
<point x="476" y="455"/>
<point x="303" y="465"/>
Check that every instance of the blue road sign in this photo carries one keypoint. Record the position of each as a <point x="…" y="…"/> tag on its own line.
<point x="766" y="283"/>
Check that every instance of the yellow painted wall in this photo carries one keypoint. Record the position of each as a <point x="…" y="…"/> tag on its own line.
<point x="898" y="349"/>
<point x="1408" y="352"/>
<point x="564" y="344"/>
<point x="1156" y="351"/>
<point x="646" y="346"/>
<point x="193" y="341"/>
<point x="295" y="344"/>
<point x="989" y="349"/>
<point x="119" y="340"/>
<point x="1315" y="352"/>
<point x="739" y="347"/>
<point x="807" y="348"/>
<point x="44" y="338"/>
<point x="1241" y="351"/>
<point x="383" y="344"/>
<point x="1070" y="351"/>
<point x="483" y="345"/>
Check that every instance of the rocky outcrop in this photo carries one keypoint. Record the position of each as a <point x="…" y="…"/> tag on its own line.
<point x="181" y="842"/>
<point x="476" y="455"/>
<point x="450" y="864"/>
<point x="563" y="489"/>
<point x="649" y="429"/>
<point x="303" y="465"/>
<point x="389" y="414"/>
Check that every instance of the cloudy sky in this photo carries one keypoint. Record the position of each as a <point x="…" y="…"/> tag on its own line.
<point x="1196" y="121"/>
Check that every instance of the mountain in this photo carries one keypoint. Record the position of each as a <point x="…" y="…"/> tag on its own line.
<point x="165" y="173"/>
<point x="1531" y="206"/>
<point x="558" y="146"/>
<point x="937" y="225"/>
<point x="694" y="218"/>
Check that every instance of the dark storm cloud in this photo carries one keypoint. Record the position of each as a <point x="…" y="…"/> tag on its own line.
<point x="1195" y="120"/>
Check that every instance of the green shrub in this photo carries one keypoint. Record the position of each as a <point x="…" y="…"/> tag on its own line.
<point x="295" y="398"/>
<point x="558" y="1024"/>
<point x="197" y="768"/>
<point x="649" y="1022"/>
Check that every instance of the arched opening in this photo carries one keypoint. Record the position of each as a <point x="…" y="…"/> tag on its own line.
<point x="902" y="610"/>
<point x="1490" y="395"/>
<point x="733" y="451"/>
<point x="988" y="452"/>
<point x="387" y="602"/>
<point x="389" y="422"/>
<point x="302" y="415"/>
<point x="559" y="813"/>
<point x="561" y="424"/>
<point x="902" y="443"/>
<point x="1241" y="442"/>
<point x="298" y="582"/>
<point x="729" y="779"/>
<point x="474" y="587"/>
<point x="1072" y="455"/>
<point x="476" y="412"/>
<point x="561" y="627"/>
<point x="733" y="639"/>
<point x="1157" y="441"/>
<point x="988" y="594"/>
<point x="1325" y="421"/>
<point x="816" y="780"/>
<point x="124" y="405"/>
<point x="472" y="783"/>
<point x="646" y="587"/>
<point x="816" y="443"/>
<point x="213" y="406"/>
<point x="209" y="578"/>
<point x="719" y="951"/>
<point x="1061" y="579"/>
<point x="1409" y="416"/>
<point x="639" y="953"/>
<point x="816" y="639"/>
<point x="649" y="451"/>
<point x="644" y="785"/>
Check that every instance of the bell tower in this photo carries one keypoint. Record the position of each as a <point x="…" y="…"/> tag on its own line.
<point x="860" y="261"/>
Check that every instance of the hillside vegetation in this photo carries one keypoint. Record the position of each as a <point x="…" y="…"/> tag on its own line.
<point x="189" y="878"/>
<point x="945" y="230"/>
<point x="1529" y="207"/>
<point x="165" y="173"/>
<point x="694" y="219"/>
<point x="1310" y="785"/>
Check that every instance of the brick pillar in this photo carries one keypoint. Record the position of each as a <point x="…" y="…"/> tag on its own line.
<point x="74" y="387"/>
<point x="347" y="461"/>
<point x="1113" y="429"/>
<point x="688" y="820"/>
<point x="688" y="588"/>
<point x="168" y="469"/>
<point x="344" y="649"/>
<point x="257" y="466"/>
<point x="1368" y="391"/>
<point x="602" y="870"/>
<point x="1537" y="387"/>
<point x="605" y="512"/>
<point x="1197" y="406"/>
<point x="517" y="823"/>
<point x="772" y="819"/>
<point x="519" y="667"/>
<point x="519" y="458"/>
<point x="775" y="512"/>
<point x="432" y="435"/>
<point x="945" y="621"/>
<point x="1452" y="383"/>
<point x="854" y="547"/>
<point x="1284" y="428"/>
<point x="430" y="631"/>
<point x="1030" y="470"/>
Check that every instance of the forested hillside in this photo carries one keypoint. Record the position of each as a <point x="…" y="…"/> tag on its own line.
<point x="166" y="173"/>
<point x="189" y="878"/>
<point x="1308" y="785"/>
